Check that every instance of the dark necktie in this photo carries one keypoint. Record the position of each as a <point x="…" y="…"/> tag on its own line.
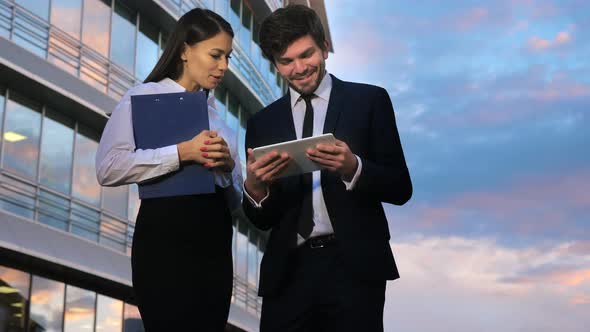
<point x="306" y="217"/>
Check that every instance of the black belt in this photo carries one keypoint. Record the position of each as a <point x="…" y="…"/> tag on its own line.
<point x="318" y="242"/>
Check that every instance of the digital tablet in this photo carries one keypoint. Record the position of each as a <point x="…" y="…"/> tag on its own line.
<point x="299" y="163"/>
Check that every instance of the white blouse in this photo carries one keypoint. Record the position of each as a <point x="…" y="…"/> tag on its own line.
<point x="118" y="162"/>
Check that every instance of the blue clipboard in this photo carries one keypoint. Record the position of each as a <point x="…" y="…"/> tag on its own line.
<point x="164" y="119"/>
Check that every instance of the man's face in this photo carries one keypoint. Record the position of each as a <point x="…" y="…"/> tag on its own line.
<point x="303" y="64"/>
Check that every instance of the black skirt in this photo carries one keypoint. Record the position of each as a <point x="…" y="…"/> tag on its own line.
<point x="182" y="263"/>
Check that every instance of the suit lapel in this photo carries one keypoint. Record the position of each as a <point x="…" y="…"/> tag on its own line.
<point x="285" y="119"/>
<point x="335" y="106"/>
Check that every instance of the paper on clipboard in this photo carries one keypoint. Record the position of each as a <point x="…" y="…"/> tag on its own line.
<point x="299" y="163"/>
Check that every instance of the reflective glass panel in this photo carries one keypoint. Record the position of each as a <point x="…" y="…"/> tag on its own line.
<point x="66" y="15"/>
<point x="96" y="24"/>
<point x="2" y="102"/>
<point x="147" y="49"/>
<point x="220" y="97"/>
<point x="242" y="252"/>
<point x="252" y="259"/>
<point x="21" y="137"/>
<point x="85" y="186"/>
<point x="115" y="199"/>
<point x="221" y="7"/>
<point x="133" y="202"/>
<point x="245" y="31"/>
<point x="37" y="7"/>
<point x="123" y="37"/>
<point x="132" y="320"/>
<point x="109" y="314"/>
<point x="79" y="315"/>
<point x="14" y="294"/>
<point x="47" y="301"/>
<point x="53" y="210"/>
<point x="57" y="145"/>
<point x="234" y="15"/>
<point x="85" y="221"/>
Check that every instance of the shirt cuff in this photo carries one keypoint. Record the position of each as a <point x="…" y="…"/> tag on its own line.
<point x="169" y="157"/>
<point x="223" y="180"/>
<point x="350" y="185"/>
<point x="257" y="205"/>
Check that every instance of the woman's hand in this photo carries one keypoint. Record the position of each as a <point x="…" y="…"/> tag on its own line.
<point x="207" y="149"/>
<point x="217" y="151"/>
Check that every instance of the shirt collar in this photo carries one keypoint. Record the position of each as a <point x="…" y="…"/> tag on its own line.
<point x="175" y="87"/>
<point x="323" y="90"/>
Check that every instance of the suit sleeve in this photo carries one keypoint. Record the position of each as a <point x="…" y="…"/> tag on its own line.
<point x="385" y="174"/>
<point x="269" y="214"/>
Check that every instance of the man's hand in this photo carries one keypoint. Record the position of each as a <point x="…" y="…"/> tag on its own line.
<point x="263" y="171"/>
<point x="336" y="158"/>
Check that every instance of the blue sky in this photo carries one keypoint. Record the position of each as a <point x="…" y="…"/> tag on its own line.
<point x="492" y="101"/>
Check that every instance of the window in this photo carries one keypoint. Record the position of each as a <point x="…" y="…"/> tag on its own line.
<point x="13" y="299"/>
<point x="37" y="7"/>
<point x="246" y="30"/>
<point x="57" y="144"/>
<point x="115" y="199"/>
<point x="147" y="49"/>
<point x="131" y="319"/>
<point x="95" y="25"/>
<point x="66" y="15"/>
<point x="221" y="100"/>
<point x="123" y="37"/>
<point x="109" y="314"/>
<point x="47" y="301"/>
<point x="85" y="186"/>
<point x="21" y="137"/>
<point x="79" y="315"/>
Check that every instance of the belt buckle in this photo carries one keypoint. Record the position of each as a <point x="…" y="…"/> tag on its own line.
<point x="315" y="246"/>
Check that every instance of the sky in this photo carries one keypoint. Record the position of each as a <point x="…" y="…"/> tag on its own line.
<point x="492" y="103"/>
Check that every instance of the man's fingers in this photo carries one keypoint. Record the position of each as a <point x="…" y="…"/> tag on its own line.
<point x="276" y="170"/>
<point x="325" y="162"/>
<point x="329" y="148"/>
<point x="270" y="166"/>
<point x="325" y="156"/>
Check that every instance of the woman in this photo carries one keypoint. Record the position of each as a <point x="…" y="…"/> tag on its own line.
<point x="181" y="254"/>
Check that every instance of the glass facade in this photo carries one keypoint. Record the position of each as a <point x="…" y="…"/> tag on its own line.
<point x="84" y="38"/>
<point x="41" y="304"/>
<point x="47" y="169"/>
<point x="50" y="177"/>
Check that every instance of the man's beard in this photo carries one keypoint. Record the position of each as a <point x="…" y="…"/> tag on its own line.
<point x="316" y="83"/>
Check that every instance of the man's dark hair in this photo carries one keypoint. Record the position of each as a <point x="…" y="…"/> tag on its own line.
<point x="286" y="25"/>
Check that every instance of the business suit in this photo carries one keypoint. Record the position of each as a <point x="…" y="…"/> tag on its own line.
<point x="362" y="116"/>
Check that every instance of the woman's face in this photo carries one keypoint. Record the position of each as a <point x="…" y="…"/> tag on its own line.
<point x="206" y="61"/>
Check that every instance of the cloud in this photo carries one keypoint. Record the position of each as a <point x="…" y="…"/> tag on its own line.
<point x="541" y="207"/>
<point x="459" y="285"/>
<point x="537" y="44"/>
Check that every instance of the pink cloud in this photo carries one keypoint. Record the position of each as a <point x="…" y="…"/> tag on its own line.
<point x="537" y="44"/>
<point x="539" y="203"/>
<point x="565" y="278"/>
<point x="471" y="18"/>
<point x="458" y="284"/>
<point x="580" y="299"/>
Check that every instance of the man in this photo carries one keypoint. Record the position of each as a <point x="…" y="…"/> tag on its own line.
<point x="328" y="255"/>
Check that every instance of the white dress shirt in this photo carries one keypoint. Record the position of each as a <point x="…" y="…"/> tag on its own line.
<point x="118" y="162"/>
<point x="321" y="219"/>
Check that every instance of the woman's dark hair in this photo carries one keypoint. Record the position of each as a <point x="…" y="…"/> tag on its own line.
<point x="193" y="27"/>
<point x="286" y="25"/>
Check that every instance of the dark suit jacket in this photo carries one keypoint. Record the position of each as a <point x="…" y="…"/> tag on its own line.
<point x="362" y="116"/>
